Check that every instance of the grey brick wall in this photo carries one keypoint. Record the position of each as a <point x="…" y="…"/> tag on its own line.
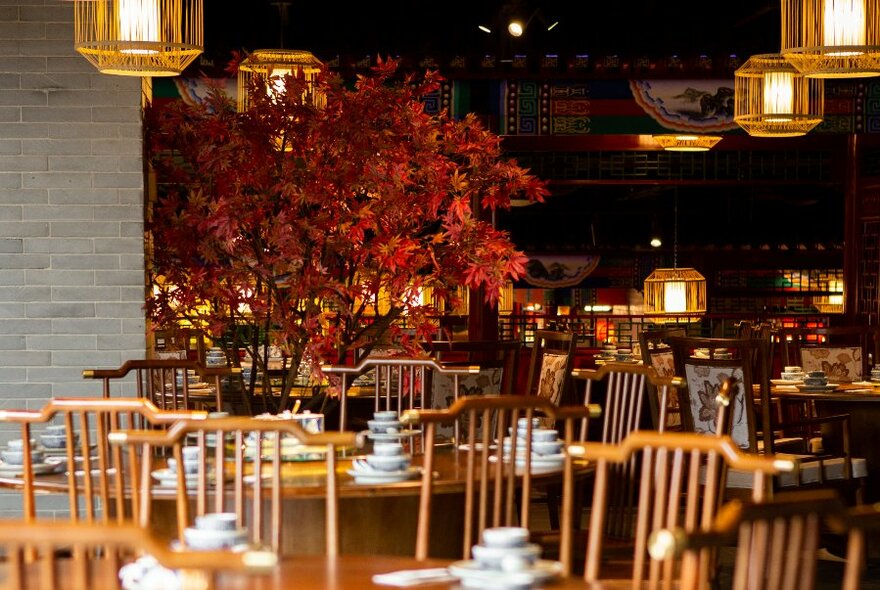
<point x="71" y="211"/>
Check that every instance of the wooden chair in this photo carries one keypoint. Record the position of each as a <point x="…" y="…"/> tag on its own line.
<point x="165" y="382"/>
<point x="550" y="366"/>
<point x="633" y="395"/>
<point x="844" y="353"/>
<point x="226" y="479"/>
<point x="398" y="383"/>
<point x="88" y="421"/>
<point x="754" y="422"/>
<point x="492" y="487"/>
<point x="95" y="551"/>
<point x="657" y="480"/>
<point x="857" y="522"/>
<point x="500" y="355"/>
<point x="776" y="541"/>
<point x="657" y="354"/>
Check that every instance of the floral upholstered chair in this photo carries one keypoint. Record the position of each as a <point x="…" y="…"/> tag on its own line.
<point x="550" y="366"/>
<point x="657" y="353"/>
<point x="844" y="353"/>
<point x="840" y="364"/>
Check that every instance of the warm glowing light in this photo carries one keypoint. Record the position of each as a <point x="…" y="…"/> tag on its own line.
<point x="656" y="242"/>
<point x="553" y="26"/>
<point x="598" y="308"/>
<point x="515" y="28"/>
<point x="138" y="23"/>
<point x="675" y="297"/>
<point x="484" y="28"/>
<point x="778" y="95"/>
<point x="843" y="25"/>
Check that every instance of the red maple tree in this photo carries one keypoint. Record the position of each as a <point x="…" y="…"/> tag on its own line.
<point x="318" y="226"/>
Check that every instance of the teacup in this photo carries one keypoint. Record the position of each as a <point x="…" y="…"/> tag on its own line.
<point x="18" y="444"/>
<point x="16" y="456"/>
<point x="505" y="536"/>
<point x="388" y="462"/>
<point x="385" y="415"/>
<point x="816" y="374"/>
<point x="492" y="557"/>
<point x="544" y="434"/>
<point x="547" y="447"/>
<point x="217" y="521"/>
<point x="792" y="369"/>
<point x="388" y="449"/>
<point x="384" y="426"/>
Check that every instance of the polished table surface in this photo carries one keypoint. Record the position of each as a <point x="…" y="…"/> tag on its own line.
<point x="341" y="573"/>
<point x="374" y="518"/>
<point x="861" y="401"/>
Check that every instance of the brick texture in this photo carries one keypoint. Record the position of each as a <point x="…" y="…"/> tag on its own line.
<point x="71" y="222"/>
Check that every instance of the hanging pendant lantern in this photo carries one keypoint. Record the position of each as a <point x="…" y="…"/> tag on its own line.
<point x="832" y="38"/>
<point x="675" y="294"/>
<point x="139" y="37"/>
<point x="773" y="99"/>
<point x="686" y="142"/>
<point x="272" y="65"/>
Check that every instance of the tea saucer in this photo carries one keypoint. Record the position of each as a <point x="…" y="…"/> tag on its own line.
<point x="167" y="477"/>
<point x="49" y="466"/>
<point x="376" y="476"/>
<point x="815" y="388"/>
<point x="473" y="575"/>
<point x="392" y="435"/>
<point x="787" y="381"/>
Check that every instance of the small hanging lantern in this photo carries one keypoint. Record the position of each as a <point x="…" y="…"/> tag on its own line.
<point x="686" y="142"/>
<point x="773" y="99"/>
<point x="139" y="37"/>
<point x="832" y="38"/>
<point x="272" y="65"/>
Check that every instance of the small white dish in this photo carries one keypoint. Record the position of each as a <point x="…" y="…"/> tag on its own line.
<point x="473" y="575"/>
<point x="388" y="462"/>
<point x="209" y="539"/>
<point x="379" y="477"/>
<point x="491" y="556"/>
<point x="505" y="536"/>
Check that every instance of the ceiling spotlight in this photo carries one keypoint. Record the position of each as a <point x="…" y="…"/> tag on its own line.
<point x="553" y="25"/>
<point x="485" y="29"/>
<point x="656" y="242"/>
<point x="515" y="28"/>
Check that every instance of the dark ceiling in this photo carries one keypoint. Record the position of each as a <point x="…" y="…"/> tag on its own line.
<point x="599" y="217"/>
<point x="407" y="27"/>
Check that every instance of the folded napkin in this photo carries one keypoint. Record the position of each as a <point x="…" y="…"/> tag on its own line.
<point x="414" y="577"/>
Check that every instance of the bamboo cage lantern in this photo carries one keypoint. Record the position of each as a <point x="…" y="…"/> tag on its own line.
<point x="773" y="99"/>
<point x="675" y="294"/>
<point x="272" y="65"/>
<point x="832" y="38"/>
<point x="686" y="142"/>
<point x="139" y="37"/>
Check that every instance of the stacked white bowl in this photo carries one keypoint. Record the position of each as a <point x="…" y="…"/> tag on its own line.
<point x="384" y="422"/>
<point x="55" y="437"/>
<point x="13" y="454"/>
<point x="792" y="373"/>
<point x="388" y="456"/>
<point x="546" y="445"/>
<point x="218" y="530"/>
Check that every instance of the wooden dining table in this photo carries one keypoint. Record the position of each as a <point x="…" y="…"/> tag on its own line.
<point x="346" y="572"/>
<point x="861" y="401"/>
<point x="375" y="519"/>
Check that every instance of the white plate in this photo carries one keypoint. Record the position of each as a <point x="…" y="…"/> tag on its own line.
<point x="392" y="435"/>
<point x="478" y="446"/>
<point x="540" y="463"/>
<point x="363" y="476"/>
<point x="787" y="381"/>
<point x="473" y="575"/>
<point x="167" y="477"/>
<point x="817" y="388"/>
<point x="50" y="466"/>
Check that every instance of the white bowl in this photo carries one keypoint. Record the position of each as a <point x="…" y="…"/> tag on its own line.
<point x="544" y="434"/>
<point x="388" y="463"/>
<point x="547" y="447"/>
<point x="16" y="456"/>
<point x="217" y="521"/>
<point x="505" y="536"/>
<point x="56" y="441"/>
<point x="384" y="426"/>
<point x="210" y="539"/>
<point x="491" y="557"/>
<point x="385" y="415"/>
<point x="792" y="369"/>
<point x="523" y="423"/>
<point x="388" y="449"/>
